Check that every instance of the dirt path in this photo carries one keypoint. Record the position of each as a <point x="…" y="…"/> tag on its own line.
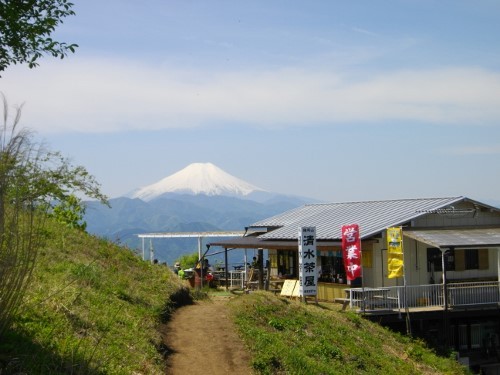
<point x="203" y="340"/>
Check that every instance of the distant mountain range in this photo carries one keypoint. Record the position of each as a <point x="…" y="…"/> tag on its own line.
<point x="200" y="197"/>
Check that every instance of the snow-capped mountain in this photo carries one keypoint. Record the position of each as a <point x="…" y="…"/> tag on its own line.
<point x="198" y="179"/>
<point x="200" y="197"/>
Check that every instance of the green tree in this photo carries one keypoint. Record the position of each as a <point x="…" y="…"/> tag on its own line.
<point x="26" y="27"/>
<point x="34" y="184"/>
<point x="70" y="212"/>
<point x="188" y="260"/>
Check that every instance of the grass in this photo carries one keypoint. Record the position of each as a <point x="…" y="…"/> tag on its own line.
<point x="287" y="337"/>
<point x="95" y="308"/>
<point x="92" y="308"/>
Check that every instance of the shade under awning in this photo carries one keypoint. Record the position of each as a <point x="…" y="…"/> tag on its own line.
<point x="253" y="242"/>
<point x="457" y="238"/>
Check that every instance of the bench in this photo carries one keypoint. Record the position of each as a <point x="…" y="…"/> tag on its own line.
<point x="385" y="298"/>
<point x="345" y="302"/>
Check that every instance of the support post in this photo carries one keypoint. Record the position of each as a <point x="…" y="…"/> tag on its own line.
<point x="261" y="269"/>
<point x="201" y="260"/>
<point x="143" y="252"/>
<point x="498" y="270"/>
<point x="444" y="262"/>
<point x="226" y="268"/>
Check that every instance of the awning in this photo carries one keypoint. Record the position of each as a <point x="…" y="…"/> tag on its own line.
<point x="252" y="242"/>
<point x="456" y="238"/>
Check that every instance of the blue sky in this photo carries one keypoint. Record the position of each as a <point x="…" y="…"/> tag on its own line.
<point x="338" y="101"/>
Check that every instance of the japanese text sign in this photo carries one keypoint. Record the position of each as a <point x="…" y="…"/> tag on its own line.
<point x="395" y="266"/>
<point x="308" y="273"/>
<point x="351" y="250"/>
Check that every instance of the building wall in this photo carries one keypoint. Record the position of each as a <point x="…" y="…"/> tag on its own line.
<point x="478" y="217"/>
<point x="415" y="257"/>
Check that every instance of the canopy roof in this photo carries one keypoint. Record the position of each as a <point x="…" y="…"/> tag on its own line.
<point x="457" y="238"/>
<point x="256" y="243"/>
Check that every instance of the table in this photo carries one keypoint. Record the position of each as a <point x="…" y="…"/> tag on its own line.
<point x="370" y="298"/>
<point x="276" y="285"/>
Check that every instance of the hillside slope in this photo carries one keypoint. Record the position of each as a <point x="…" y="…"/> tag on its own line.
<point x="92" y="308"/>
<point x="290" y="337"/>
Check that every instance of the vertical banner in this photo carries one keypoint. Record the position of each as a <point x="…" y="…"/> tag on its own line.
<point x="351" y="250"/>
<point x="395" y="266"/>
<point x="308" y="270"/>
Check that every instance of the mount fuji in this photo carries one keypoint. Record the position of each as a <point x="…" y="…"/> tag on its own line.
<point x="200" y="197"/>
<point x="200" y="178"/>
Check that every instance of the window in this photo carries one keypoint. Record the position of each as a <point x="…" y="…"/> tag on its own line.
<point x="332" y="267"/>
<point x="471" y="259"/>
<point x="367" y="258"/>
<point x="434" y="261"/>
<point x="287" y="263"/>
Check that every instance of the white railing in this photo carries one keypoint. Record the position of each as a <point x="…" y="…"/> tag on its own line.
<point x="478" y="293"/>
<point x="424" y="296"/>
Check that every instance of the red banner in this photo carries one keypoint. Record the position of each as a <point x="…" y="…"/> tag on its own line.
<point x="351" y="250"/>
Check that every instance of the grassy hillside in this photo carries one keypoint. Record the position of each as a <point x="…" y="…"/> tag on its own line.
<point x="287" y="337"/>
<point x="92" y="308"/>
<point x="95" y="308"/>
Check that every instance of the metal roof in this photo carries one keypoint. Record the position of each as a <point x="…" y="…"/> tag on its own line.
<point x="371" y="216"/>
<point x="463" y="237"/>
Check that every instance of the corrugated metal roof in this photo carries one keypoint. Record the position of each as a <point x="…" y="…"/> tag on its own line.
<point x="445" y="238"/>
<point x="372" y="216"/>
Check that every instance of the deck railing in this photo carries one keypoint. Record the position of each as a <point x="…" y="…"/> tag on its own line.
<point x="478" y="293"/>
<point x="425" y="296"/>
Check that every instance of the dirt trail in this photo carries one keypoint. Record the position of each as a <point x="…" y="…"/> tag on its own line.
<point x="203" y="340"/>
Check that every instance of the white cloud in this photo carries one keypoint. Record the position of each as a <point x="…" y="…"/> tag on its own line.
<point x="364" y="31"/>
<point x="111" y="95"/>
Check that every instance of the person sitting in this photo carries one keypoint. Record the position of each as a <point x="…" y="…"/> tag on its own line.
<point x="206" y="266"/>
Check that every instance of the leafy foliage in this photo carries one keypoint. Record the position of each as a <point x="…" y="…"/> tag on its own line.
<point x="20" y="225"/>
<point x="188" y="260"/>
<point x="26" y="28"/>
<point x="33" y="182"/>
<point x="71" y="212"/>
